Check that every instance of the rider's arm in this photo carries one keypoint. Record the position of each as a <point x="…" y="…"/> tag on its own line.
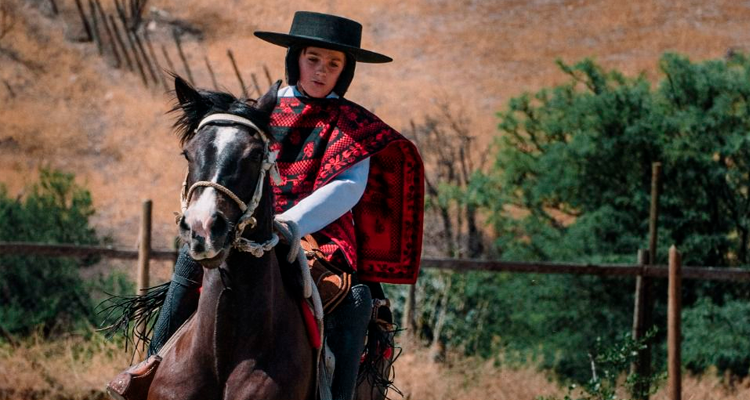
<point x="330" y="201"/>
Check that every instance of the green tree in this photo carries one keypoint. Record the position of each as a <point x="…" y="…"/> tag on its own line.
<point x="571" y="182"/>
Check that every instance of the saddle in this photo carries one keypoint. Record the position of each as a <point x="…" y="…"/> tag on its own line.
<point x="333" y="283"/>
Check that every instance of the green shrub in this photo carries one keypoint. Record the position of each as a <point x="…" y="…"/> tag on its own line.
<point x="45" y="291"/>
<point x="717" y="335"/>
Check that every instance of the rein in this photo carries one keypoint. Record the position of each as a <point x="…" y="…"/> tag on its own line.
<point x="248" y="209"/>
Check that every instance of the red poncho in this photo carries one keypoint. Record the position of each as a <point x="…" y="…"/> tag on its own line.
<point x="382" y="236"/>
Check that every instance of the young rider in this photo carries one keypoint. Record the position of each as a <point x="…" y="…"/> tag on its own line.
<point x="348" y="179"/>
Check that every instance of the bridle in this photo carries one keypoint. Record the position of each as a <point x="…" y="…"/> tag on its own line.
<point x="248" y="209"/>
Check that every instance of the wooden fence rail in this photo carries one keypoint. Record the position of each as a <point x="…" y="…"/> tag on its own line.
<point x="457" y="265"/>
<point x="70" y="250"/>
<point x="657" y="271"/>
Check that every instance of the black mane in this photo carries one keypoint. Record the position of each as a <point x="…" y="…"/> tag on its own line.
<point x="197" y="104"/>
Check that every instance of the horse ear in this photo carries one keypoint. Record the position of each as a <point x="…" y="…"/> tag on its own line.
<point x="185" y="92"/>
<point x="267" y="102"/>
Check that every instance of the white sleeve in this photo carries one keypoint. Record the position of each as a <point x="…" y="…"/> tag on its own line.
<point x="330" y="201"/>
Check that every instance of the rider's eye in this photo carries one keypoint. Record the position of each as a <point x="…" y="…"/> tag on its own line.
<point x="185" y="154"/>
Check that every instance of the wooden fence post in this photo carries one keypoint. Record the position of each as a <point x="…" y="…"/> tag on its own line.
<point x="148" y="64"/>
<point x="674" y="335"/>
<point x="144" y="253"/>
<point x="157" y="66"/>
<point x="130" y="35"/>
<point x="642" y="318"/>
<point x="95" y="28"/>
<point x="55" y="10"/>
<point x="237" y="72"/>
<point x="118" y="37"/>
<point x="653" y="228"/>
<point x="644" y="297"/>
<point x="178" y="43"/>
<point x="168" y="60"/>
<point x="255" y="83"/>
<point x="108" y="31"/>
<point x="268" y="75"/>
<point x="211" y="72"/>
<point x="84" y="21"/>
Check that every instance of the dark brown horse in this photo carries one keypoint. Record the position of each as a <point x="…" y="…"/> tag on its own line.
<point x="247" y="339"/>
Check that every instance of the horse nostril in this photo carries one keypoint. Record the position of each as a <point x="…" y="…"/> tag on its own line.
<point x="183" y="225"/>
<point x="198" y="244"/>
<point x="220" y="225"/>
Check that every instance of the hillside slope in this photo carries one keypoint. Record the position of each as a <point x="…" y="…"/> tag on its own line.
<point x="69" y="109"/>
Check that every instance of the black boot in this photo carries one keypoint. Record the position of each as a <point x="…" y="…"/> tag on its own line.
<point x="346" y="328"/>
<point x="181" y="301"/>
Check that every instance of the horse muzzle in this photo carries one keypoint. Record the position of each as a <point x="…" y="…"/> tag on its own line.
<point x="207" y="237"/>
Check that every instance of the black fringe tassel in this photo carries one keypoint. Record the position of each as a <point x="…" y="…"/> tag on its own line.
<point x="375" y="369"/>
<point x="122" y="314"/>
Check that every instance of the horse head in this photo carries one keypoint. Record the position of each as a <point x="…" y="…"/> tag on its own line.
<point x="225" y="196"/>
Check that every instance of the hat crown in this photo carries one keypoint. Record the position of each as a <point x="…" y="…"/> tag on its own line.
<point x="326" y="31"/>
<point x="328" y="28"/>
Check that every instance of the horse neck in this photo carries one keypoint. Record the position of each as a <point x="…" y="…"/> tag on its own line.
<point x="255" y="283"/>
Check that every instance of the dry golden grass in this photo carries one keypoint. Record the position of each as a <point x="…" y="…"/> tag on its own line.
<point x="75" y="367"/>
<point x="466" y="378"/>
<point x="470" y="378"/>
<point x="71" y="367"/>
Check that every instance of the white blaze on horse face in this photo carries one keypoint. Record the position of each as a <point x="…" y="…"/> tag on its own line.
<point x="200" y="216"/>
<point x="224" y="136"/>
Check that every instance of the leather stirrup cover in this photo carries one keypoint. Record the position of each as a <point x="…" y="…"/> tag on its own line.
<point x="133" y="384"/>
<point x="333" y="284"/>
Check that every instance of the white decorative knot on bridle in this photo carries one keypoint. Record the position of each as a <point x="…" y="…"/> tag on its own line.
<point x="247" y="218"/>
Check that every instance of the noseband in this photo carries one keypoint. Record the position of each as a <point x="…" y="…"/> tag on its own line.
<point x="248" y="210"/>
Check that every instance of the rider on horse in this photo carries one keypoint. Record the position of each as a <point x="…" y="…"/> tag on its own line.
<point x="349" y="180"/>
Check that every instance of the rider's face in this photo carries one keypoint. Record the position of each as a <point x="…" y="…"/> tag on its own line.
<point x="319" y="70"/>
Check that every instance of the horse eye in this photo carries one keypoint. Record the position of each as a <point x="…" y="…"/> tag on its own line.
<point x="256" y="156"/>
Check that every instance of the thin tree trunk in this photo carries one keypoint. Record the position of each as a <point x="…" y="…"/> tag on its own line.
<point x="437" y="347"/>
<point x="408" y="321"/>
<point x="742" y="251"/>
<point x="476" y="241"/>
<point x="448" y="229"/>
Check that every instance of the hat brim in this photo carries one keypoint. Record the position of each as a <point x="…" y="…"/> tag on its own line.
<point x="286" y="40"/>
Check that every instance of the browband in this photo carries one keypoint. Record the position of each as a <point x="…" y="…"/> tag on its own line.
<point x="232" y="118"/>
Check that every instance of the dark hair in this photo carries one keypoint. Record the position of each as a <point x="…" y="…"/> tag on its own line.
<point x="292" y="69"/>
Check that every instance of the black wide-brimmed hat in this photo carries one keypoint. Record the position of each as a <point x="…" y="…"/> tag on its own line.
<point x="326" y="31"/>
